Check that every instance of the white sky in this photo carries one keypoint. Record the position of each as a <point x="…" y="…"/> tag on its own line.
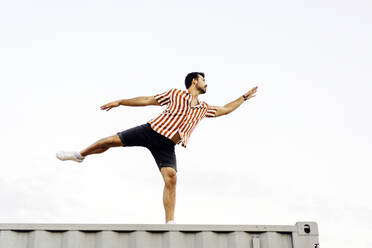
<point x="299" y="151"/>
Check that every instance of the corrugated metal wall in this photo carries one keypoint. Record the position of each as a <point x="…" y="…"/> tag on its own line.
<point x="301" y="235"/>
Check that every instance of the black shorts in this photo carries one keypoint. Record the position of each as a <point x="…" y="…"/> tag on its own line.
<point x="161" y="148"/>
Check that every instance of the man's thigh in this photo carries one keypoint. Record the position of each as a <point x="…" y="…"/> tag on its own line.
<point x="135" y="136"/>
<point x="164" y="157"/>
<point x="116" y="141"/>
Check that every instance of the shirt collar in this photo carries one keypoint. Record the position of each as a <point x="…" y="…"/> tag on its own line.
<point x="200" y="102"/>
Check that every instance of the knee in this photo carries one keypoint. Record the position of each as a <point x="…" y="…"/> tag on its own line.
<point x="170" y="176"/>
<point x="171" y="181"/>
<point x="110" y="141"/>
<point x="105" y="142"/>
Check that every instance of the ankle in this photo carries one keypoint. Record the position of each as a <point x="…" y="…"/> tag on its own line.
<point x="79" y="155"/>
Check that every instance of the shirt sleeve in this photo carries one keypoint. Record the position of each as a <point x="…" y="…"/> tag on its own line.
<point x="164" y="98"/>
<point x="211" y="111"/>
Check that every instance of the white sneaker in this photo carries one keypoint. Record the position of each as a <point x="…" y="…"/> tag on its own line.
<point x="69" y="155"/>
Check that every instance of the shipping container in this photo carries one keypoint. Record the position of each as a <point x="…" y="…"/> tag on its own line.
<point x="301" y="235"/>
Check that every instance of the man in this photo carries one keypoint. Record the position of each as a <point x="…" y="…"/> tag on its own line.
<point x="160" y="135"/>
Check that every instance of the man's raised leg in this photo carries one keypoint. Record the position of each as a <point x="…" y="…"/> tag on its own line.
<point x="102" y="145"/>
<point x="169" y="194"/>
<point x="98" y="147"/>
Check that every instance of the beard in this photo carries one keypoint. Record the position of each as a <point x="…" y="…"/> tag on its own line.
<point x="201" y="90"/>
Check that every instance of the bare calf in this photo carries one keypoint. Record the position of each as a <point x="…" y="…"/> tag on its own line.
<point x="102" y="145"/>
<point x="169" y="194"/>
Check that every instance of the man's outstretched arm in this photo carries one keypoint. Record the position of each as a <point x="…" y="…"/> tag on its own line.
<point x="230" y="107"/>
<point x="135" y="102"/>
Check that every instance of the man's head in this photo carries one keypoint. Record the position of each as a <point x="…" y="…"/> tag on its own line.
<point x="196" y="80"/>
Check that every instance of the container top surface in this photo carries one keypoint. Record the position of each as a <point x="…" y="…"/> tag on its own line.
<point x="146" y="227"/>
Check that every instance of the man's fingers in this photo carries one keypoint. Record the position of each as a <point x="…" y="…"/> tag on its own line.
<point x="253" y="90"/>
<point x="104" y="107"/>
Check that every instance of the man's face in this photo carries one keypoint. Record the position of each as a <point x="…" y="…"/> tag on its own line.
<point x="200" y="85"/>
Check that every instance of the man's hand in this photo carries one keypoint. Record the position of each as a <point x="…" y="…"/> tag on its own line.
<point x="251" y="93"/>
<point x="230" y="107"/>
<point x="110" y="105"/>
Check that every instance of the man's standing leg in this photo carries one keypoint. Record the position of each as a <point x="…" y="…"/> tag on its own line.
<point x="169" y="194"/>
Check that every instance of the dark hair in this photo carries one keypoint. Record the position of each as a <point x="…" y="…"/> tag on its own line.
<point x="191" y="76"/>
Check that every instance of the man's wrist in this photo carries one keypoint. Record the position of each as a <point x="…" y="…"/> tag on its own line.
<point x="245" y="97"/>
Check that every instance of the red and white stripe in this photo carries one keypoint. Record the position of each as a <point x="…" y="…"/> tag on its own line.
<point x="179" y="116"/>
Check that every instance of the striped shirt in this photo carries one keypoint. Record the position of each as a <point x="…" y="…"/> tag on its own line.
<point x="179" y="116"/>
